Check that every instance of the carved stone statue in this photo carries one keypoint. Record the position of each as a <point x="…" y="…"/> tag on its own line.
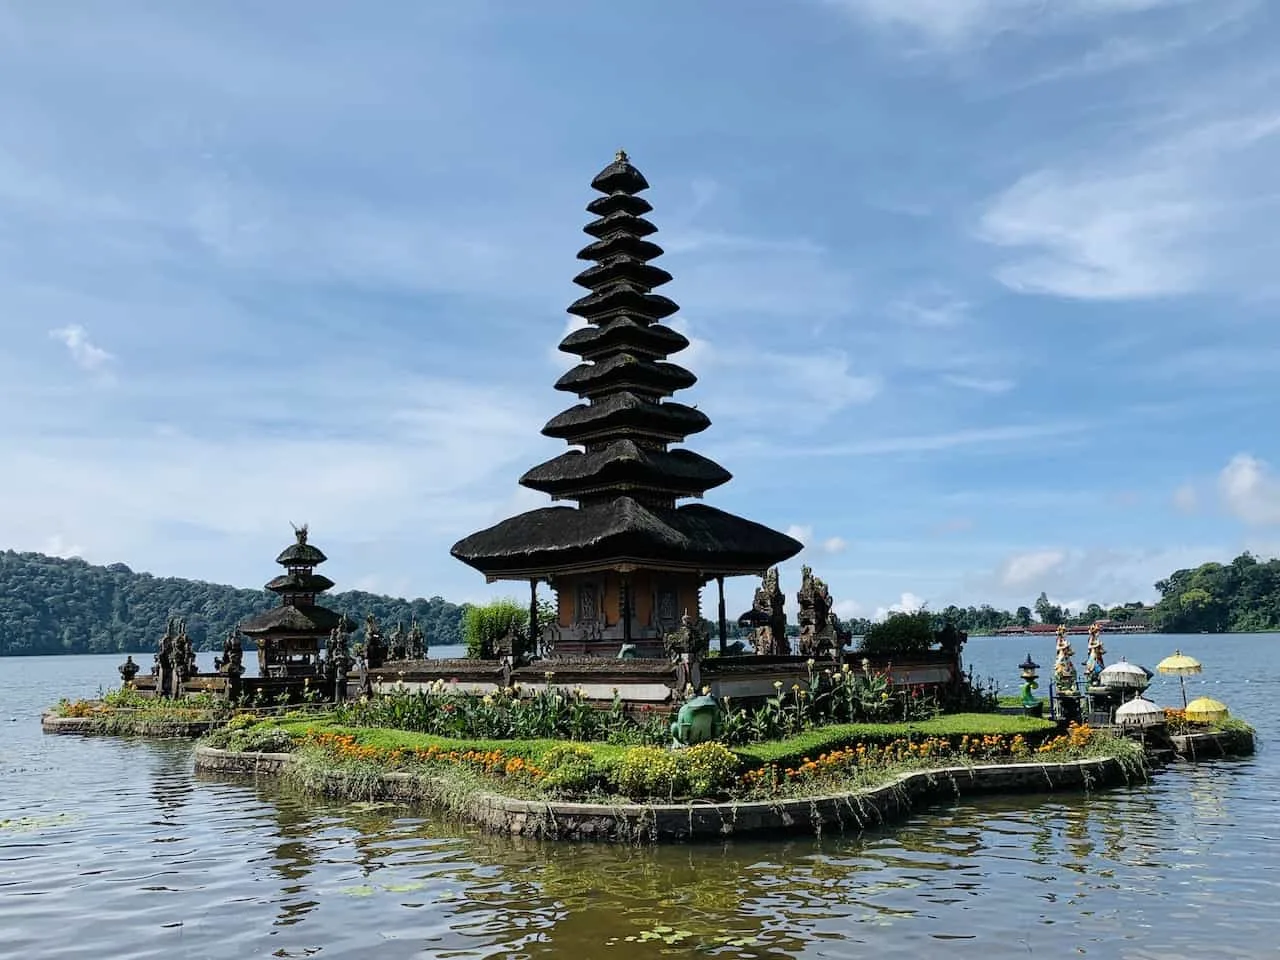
<point x="416" y="643"/>
<point x="128" y="670"/>
<point x="375" y="648"/>
<point x="1064" y="669"/>
<point x="396" y="642"/>
<point x="767" y="618"/>
<point x="232" y="662"/>
<point x="820" y="632"/>
<point x="689" y="639"/>
<point x="184" y="659"/>
<point x="1096" y="663"/>
<point x="164" y="662"/>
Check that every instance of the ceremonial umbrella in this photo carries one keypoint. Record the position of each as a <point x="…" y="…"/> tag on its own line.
<point x="1125" y="675"/>
<point x="1206" y="710"/>
<point x="1139" y="712"/>
<point x="1180" y="666"/>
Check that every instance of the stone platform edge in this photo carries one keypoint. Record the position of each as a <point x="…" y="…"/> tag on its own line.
<point x="50" y="723"/>
<point x="1213" y="745"/>
<point x="683" y="822"/>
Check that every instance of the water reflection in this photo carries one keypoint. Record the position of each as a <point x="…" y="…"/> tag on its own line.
<point x="123" y="852"/>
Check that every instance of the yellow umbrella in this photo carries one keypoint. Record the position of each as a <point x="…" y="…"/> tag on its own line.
<point x="1180" y="666"/>
<point x="1206" y="710"/>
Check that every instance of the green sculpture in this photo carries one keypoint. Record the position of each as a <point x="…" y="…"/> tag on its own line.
<point x="1029" y="699"/>
<point x="697" y="722"/>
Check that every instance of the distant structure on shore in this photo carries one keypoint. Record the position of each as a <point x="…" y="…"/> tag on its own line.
<point x="1048" y="629"/>
<point x="627" y="565"/>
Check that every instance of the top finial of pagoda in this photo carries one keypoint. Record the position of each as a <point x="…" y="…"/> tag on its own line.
<point x="620" y="177"/>
<point x="300" y="553"/>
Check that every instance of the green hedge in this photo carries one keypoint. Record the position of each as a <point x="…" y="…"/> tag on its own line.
<point x="812" y="743"/>
<point x="531" y="750"/>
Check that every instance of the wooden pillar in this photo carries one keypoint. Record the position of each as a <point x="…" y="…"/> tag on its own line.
<point x="533" y="618"/>
<point x="724" y="626"/>
<point x="625" y="607"/>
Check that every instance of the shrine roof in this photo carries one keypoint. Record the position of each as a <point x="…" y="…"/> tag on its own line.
<point x="622" y="530"/>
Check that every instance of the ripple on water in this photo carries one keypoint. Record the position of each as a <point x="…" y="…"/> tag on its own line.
<point x="114" y="849"/>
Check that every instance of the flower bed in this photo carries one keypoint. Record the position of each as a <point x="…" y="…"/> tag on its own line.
<point x="605" y="772"/>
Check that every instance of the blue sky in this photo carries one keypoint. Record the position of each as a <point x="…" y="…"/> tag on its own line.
<point x="982" y="293"/>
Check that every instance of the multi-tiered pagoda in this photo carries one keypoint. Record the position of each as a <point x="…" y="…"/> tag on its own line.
<point x="627" y="562"/>
<point x="289" y="636"/>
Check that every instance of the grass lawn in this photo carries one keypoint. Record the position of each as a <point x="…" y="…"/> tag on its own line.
<point x="809" y="743"/>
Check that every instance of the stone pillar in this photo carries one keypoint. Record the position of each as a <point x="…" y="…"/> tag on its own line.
<point x="625" y="606"/>
<point x="533" y="618"/>
<point x="724" y="626"/>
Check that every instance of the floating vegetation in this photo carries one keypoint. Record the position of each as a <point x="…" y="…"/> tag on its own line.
<point x="32" y="824"/>
<point x="368" y="889"/>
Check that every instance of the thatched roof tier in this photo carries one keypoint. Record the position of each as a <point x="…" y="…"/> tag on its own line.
<point x="295" y="619"/>
<point x="626" y="465"/>
<point x="620" y="245"/>
<point x="624" y="532"/>
<point x="626" y="415"/>
<point x="622" y="268"/>
<point x="619" y="221"/>
<point x="620" y="177"/>
<point x="619" y="202"/>
<point x="300" y="583"/>
<point x="623" y="296"/>
<point x="623" y="333"/>
<point x="622" y="371"/>
<point x="301" y="554"/>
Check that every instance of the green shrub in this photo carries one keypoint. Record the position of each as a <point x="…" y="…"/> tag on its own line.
<point x="900" y="633"/>
<point x="570" y="770"/>
<point x="656" y="773"/>
<point x="484" y="625"/>
<point x="708" y="768"/>
<point x="647" y="772"/>
<point x="256" y="739"/>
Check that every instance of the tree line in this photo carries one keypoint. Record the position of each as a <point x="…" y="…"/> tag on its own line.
<point x="53" y="605"/>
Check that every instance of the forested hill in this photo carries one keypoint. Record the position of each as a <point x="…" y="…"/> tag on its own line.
<point x="54" y="605"/>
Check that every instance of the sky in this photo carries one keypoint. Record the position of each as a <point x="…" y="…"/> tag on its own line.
<point x="982" y="294"/>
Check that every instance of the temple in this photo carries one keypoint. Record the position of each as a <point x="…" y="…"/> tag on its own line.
<point x="289" y="636"/>
<point x="627" y="562"/>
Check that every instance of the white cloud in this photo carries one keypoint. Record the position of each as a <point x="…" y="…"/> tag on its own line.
<point x="1250" y="490"/>
<point x="58" y="546"/>
<point x="908" y="603"/>
<point x="1028" y="568"/>
<point x="931" y="310"/>
<point x="994" y="385"/>
<point x="834" y="545"/>
<point x="1182" y="213"/>
<point x="847" y="608"/>
<point x="950" y="23"/>
<point x="84" y="352"/>
<point x="802" y="533"/>
<point x="1186" y="499"/>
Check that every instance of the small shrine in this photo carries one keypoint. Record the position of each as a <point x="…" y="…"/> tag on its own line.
<point x="289" y="636"/>
<point x="767" y="618"/>
<point x="626" y="563"/>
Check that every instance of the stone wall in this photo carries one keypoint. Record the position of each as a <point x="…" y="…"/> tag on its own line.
<point x="682" y="822"/>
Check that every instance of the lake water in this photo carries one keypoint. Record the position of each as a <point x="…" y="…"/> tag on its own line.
<point x="114" y="849"/>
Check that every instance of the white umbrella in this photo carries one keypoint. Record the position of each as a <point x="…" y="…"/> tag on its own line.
<point x="1139" y="712"/>
<point x="1125" y="675"/>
